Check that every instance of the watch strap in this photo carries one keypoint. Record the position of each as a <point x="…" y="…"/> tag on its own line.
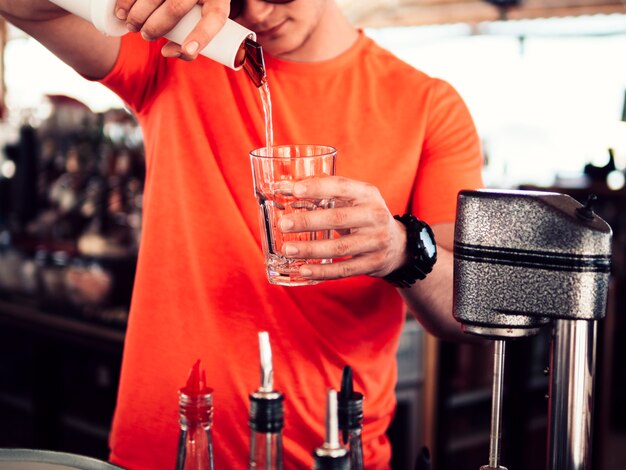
<point x="420" y="263"/>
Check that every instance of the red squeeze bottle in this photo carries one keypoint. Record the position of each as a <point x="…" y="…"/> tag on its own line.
<point x="195" y="404"/>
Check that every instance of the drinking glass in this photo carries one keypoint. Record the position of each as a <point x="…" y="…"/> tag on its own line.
<point x="274" y="171"/>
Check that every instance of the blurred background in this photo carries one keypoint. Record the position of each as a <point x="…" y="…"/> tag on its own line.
<point x="546" y="83"/>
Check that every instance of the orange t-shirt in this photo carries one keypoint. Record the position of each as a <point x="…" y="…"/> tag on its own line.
<point x="200" y="289"/>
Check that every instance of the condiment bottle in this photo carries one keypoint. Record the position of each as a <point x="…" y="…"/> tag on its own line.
<point x="331" y="455"/>
<point x="350" y="414"/>
<point x="195" y="443"/>
<point x="266" y="416"/>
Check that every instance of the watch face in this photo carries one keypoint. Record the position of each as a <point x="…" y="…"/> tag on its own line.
<point x="429" y="243"/>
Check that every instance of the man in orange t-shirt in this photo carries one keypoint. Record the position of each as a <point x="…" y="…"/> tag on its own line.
<point x="406" y="144"/>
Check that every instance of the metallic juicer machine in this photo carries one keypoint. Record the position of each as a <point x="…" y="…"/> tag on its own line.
<point x="524" y="260"/>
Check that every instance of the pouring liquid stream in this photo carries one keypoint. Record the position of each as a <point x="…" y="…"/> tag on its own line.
<point x="254" y="65"/>
<point x="266" y="99"/>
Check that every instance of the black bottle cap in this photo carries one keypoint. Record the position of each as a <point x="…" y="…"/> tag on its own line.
<point x="349" y="405"/>
<point x="327" y="462"/>
<point x="266" y="412"/>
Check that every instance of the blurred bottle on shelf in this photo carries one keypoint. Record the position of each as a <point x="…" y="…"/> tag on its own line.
<point x="73" y="218"/>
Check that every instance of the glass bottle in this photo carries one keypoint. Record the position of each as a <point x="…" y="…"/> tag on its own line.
<point x="331" y="455"/>
<point x="195" y="443"/>
<point x="266" y="416"/>
<point x="350" y="414"/>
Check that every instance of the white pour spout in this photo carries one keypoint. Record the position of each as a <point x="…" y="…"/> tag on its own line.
<point x="223" y="48"/>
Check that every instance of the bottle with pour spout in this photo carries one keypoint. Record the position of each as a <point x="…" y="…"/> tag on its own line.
<point x="331" y="455"/>
<point x="350" y="415"/>
<point x="195" y="403"/>
<point x="266" y="416"/>
<point x="233" y="46"/>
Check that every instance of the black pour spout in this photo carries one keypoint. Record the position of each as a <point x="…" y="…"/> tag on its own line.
<point x="350" y="405"/>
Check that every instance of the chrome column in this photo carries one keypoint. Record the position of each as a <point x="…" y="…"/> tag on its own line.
<point x="496" y="406"/>
<point x="572" y="366"/>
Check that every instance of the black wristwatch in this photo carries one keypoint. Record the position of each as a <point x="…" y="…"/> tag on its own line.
<point x="420" y="243"/>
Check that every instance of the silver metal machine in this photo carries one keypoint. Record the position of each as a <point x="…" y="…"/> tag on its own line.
<point x="524" y="260"/>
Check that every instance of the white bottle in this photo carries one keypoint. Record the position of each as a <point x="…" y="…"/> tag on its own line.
<point x="223" y="48"/>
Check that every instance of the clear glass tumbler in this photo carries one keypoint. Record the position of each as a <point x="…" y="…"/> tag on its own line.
<point x="274" y="170"/>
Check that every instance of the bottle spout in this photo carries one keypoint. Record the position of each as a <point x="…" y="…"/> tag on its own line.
<point x="196" y="382"/>
<point x="253" y="62"/>
<point x="267" y="370"/>
<point x="349" y="405"/>
<point x="346" y="390"/>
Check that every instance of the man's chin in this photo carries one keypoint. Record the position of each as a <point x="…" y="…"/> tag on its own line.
<point x="275" y="49"/>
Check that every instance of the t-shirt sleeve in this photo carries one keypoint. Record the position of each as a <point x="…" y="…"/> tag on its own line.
<point x="451" y="157"/>
<point x="134" y="76"/>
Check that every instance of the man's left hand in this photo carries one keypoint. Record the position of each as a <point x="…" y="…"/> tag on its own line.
<point x="371" y="241"/>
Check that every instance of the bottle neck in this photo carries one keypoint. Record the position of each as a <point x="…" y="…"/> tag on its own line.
<point x="195" y="411"/>
<point x="266" y="451"/>
<point x="195" y="445"/>
<point x="266" y="425"/>
<point x="195" y="449"/>
<point x="355" y="448"/>
<point x="347" y="435"/>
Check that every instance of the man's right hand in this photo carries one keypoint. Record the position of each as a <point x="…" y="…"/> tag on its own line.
<point x="156" y="19"/>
